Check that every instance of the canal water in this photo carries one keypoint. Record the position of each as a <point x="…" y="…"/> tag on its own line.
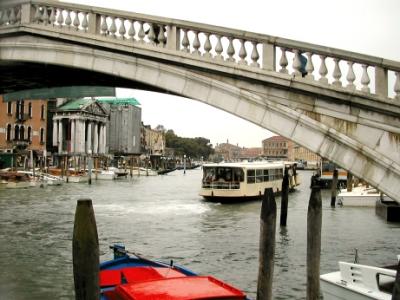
<point x="163" y="217"/>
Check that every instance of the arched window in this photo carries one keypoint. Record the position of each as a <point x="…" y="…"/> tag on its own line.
<point x="42" y="112"/>
<point x="22" y="133"/>
<point x="16" y="132"/>
<point x="9" y="108"/>
<point x="30" y="109"/>
<point x="30" y="134"/>
<point x="41" y="135"/>
<point x="9" y="132"/>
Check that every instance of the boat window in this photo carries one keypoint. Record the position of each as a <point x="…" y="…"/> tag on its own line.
<point x="259" y="175"/>
<point x="251" y="176"/>
<point x="238" y="175"/>
<point x="385" y="282"/>
<point x="208" y="174"/>
<point x="265" y="177"/>
<point x="271" y="174"/>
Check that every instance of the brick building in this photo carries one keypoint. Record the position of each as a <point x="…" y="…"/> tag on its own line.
<point x="22" y="128"/>
<point x="278" y="148"/>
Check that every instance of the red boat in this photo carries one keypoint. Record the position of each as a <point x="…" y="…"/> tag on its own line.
<point x="131" y="277"/>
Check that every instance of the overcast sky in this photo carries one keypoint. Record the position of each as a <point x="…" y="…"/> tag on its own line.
<point x="366" y="26"/>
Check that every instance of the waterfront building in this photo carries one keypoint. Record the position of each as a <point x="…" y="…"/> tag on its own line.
<point x="153" y="141"/>
<point x="124" y="128"/>
<point x="227" y="151"/>
<point x="278" y="148"/>
<point x="79" y="127"/>
<point x="22" y="129"/>
<point x="250" y="153"/>
<point x="303" y="154"/>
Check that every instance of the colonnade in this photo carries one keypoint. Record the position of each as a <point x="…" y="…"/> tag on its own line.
<point x="85" y="135"/>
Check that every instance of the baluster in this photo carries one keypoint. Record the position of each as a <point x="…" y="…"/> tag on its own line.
<point x="231" y="50"/>
<point x="85" y="22"/>
<point x="161" y="37"/>
<point x="255" y="56"/>
<point x="365" y="79"/>
<point x="397" y="86"/>
<point x="337" y="74"/>
<point x="4" y="17"/>
<point x="12" y="17"/>
<point x="68" y="20"/>
<point x="18" y="17"/>
<point x="141" y="33"/>
<point x="151" y="35"/>
<point x="296" y="63"/>
<point x="309" y="66"/>
<point x="196" y="44"/>
<point x="242" y="53"/>
<point x="131" y="31"/>
<point x="350" y="76"/>
<point x="60" y="17"/>
<point x="113" y="27"/>
<point x="219" y="48"/>
<point x="52" y="18"/>
<point x="283" y="62"/>
<point x="323" y="71"/>
<point x="185" y="41"/>
<point x="76" y="20"/>
<point x="122" y="29"/>
<point x="104" y="26"/>
<point x="37" y="16"/>
<point x="207" y="46"/>
<point x="45" y="16"/>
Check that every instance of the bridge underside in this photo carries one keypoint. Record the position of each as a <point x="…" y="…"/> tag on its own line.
<point x="354" y="132"/>
<point x="17" y="76"/>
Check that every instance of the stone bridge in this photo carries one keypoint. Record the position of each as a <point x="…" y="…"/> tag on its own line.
<point x="342" y="105"/>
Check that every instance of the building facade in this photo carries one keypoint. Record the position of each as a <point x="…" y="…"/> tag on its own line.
<point x="278" y="148"/>
<point x="79" y="128"/>
<point x="227" y="151"/>
<point x="303" y="154"/>
<point x="23" y="128"/>
<point x="154" y="141"/>
<point x="124" y="126"/>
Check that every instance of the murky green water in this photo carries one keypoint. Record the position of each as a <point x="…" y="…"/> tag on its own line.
<point x="163" y="217"/>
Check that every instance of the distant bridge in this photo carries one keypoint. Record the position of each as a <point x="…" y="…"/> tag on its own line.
<point x="346" y="108"/>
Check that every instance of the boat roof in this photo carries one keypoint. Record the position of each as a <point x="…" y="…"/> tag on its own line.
<point x="250" y="165"/>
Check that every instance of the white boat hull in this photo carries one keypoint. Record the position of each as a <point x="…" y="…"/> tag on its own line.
<point x="18" y="185"/>
<point x="77" y="179"/>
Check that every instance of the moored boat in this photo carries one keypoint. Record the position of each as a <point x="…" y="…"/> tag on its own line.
<point x="129" y="276"/>
<point x="229" y="182"/>
<point x="360" y="196"/>
<point x="106" y="175"/>
<point x="356" y="281"/>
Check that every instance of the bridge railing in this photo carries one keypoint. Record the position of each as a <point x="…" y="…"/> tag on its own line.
<point x="312" y="63"/>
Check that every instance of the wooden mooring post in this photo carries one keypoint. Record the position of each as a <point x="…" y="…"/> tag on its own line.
<point x="349" y="183"/>
<point x="267" y="246"/>
<point x="85" y="252"/>
<point x="334" y="187"/>
<point x="396" y="287"/>
<point x="314" y="224"/>
<point x="284" y="198"/>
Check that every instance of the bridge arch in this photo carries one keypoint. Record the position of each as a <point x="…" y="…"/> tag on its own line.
<point x="361" y="160"/>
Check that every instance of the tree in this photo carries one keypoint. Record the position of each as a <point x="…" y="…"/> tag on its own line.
<point x="193" y="147"/>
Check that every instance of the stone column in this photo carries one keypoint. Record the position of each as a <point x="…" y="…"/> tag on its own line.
<point x="72" y="135"/>
<point x="95" y="139"/>
<point x="60" y="137"/>
<point x="89" y="137"/>
<point x="104" y="138"/>
<point x="101" y="138"/>
<point x="78" y="136"/>
<point x="55" y="132"/>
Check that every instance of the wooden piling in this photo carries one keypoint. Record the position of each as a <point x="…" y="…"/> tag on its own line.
<point x="267" y="246"/>
<point x="396" y="287"/>
<point x="349" y="183"/>
<point x="314" y="223"/>
<point x="131" y="166"/>
<point x="334" y="187"/>
<point x="85" y="252"/>
<point x="284" y="198"/>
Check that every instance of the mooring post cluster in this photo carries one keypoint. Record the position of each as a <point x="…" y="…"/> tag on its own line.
<point x="267" y="239"/>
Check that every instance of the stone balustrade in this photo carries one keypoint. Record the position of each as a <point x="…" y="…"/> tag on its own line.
<point x="308" y="63"/>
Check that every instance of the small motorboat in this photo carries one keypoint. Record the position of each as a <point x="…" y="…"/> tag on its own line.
<point x="132" y="277"/>
<point x="106" y="175"/>
<point x="360" y="196"/>
<point x="356" y="281"/>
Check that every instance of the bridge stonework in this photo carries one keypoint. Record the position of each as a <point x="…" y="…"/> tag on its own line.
<point x="349" y="119"/>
